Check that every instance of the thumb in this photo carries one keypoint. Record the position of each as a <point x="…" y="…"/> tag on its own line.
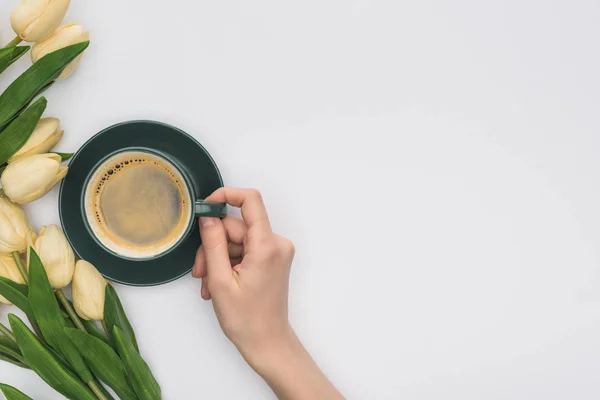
<point x="214" y="242"/>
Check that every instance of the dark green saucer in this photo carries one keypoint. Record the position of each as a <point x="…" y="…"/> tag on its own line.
<point x="175" y="143"/>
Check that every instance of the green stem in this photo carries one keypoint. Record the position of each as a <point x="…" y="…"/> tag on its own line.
<point x="103" y="390"/>
<point x="14" y="42"/>
<point x="94" y="386"/>
<point x="19" y="262"/>
<point x="69" y="309"/>
<point x="14" y="362"/>
<point x="7" y="332"/>
<point x="13" y="354"/>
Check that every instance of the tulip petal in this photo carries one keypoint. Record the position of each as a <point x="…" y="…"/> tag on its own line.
<point x="88" y="291"/>
<point x="29" y="178"/>
<point x="43" y="138"/>
<point x="14" y="227"/>
<point x="35" y="20"/>
<point x="64" y="36"/>
<point x="9" y="269"/>
<point x="57" y="256"/>
<point x="9" y="240"/>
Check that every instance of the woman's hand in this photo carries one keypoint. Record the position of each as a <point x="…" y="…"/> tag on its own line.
<point x="245" y="269"/>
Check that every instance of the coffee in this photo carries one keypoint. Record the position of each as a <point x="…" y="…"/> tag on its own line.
<point x="137" y="204"/>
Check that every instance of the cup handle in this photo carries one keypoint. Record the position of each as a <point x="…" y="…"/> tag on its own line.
<point x="206" y="209"/>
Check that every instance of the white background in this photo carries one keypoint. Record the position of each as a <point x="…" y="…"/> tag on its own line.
<point x="435" y="162"/>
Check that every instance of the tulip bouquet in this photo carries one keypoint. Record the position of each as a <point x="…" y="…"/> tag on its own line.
<point x="76" y="346"/>
<point x="65" y="346"/>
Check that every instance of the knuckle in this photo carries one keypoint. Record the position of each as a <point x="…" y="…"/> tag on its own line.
<point x="286" y="246"/>
<point x="272" y="249"/>
<point x="255" y="194"/>
<point x="291" y="248"/>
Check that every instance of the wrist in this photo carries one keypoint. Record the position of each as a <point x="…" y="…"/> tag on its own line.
<point x="272" y="353"/>
<point x="290" y="371"/>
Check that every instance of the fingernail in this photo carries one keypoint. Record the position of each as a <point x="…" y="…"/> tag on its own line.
<point x="207" y="222"/>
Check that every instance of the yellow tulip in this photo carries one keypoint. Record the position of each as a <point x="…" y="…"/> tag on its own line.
<point x="88" y="291"/>
<point x="64" y="36"/>
<point x="28" y="178"/>
<point x="14" y="227"/>
<point x="44" y="137"/>
<point x="56" y="255"/>
<point x="35" y="20"/>
<point x="9" y="269"/>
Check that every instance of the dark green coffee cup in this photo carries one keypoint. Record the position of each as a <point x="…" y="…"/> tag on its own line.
<point x="131" y="199"/>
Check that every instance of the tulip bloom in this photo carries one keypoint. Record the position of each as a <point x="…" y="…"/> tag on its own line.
<point x="44" y="137"/>
<point x="56" y="255"/>
<point x="14" y="227"/>
<point x="28" y="178"/>
<point x="64" y="36"/>
<point x="89" y="288"/>
<point x="35" y="20"/>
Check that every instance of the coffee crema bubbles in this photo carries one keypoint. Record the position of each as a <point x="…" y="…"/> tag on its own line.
<point x="137" y="204"/>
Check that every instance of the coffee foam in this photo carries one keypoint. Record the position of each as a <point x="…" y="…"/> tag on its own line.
<point x="137" y="204"/>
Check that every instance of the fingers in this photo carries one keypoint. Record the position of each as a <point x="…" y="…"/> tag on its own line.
<point x="199" y="270"/>
<point x="250" y="201"/>
<point x="236" y="252"/>
<point x="236" y="229"/>
<point x="214" y="244"/>
<point x="204" y="293"/>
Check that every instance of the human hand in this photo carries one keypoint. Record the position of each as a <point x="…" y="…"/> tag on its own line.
<point x="245" y="269"/>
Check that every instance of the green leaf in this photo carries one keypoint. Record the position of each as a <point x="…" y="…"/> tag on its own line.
<point x="12" y="353"/>
<point x="18" y="286"/>
<point x="8" y="342"/>
<point x="41" y="360"/>
<point x="90" y="326"/>
<point x="19" y="52"/>
<point x="9" y="55"/>
<point x="13" y="394"/>
<point x="43" y="303"/>
<point x="94" y="330"/>
<point x="63" y="156"/>
<point x="49" y="317"/>
<point x="13" y="361"/>
<point x="142" y="380"/>
<point x="6" y="55"/>
<point x="13" y="292"/>
<point x="19" y="130"/>
<point x="103" y="361"/>
<point x="20" y="93"/>
<point x="114" y="315"/>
